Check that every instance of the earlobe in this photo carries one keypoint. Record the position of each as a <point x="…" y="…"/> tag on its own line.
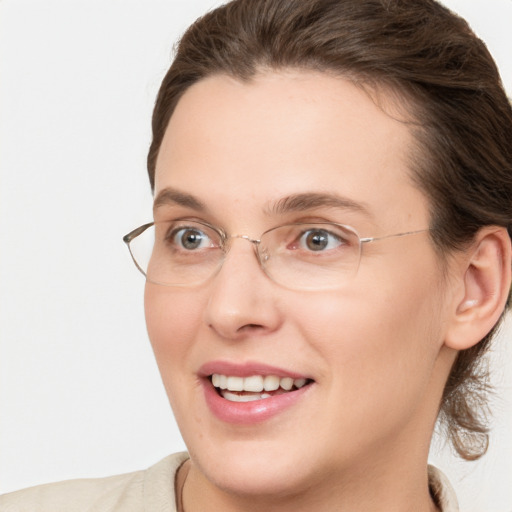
<point x="485" y="278"/>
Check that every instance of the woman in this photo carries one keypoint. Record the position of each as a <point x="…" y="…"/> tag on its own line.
<point x="331" y="258"/>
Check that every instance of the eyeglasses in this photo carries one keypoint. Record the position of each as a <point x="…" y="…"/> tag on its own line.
<point x="301" y="256"/>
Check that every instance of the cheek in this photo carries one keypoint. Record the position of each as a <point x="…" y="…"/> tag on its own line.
<point x="380" y="345"/>
<point x="172" y="319"/>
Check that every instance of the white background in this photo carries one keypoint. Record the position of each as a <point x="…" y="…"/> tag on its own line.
<point x="80" y="393"/>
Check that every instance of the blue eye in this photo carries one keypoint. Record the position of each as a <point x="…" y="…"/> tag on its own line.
<point x="190" y="238"/>
<point x="318" y="240"/>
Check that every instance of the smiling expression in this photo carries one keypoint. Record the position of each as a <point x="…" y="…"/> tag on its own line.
<point x="274" y="389"/>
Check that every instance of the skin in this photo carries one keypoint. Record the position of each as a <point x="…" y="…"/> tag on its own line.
<point x="359" y="439"/>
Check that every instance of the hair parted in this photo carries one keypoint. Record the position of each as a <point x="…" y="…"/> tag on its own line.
<point x="428" y="56"/>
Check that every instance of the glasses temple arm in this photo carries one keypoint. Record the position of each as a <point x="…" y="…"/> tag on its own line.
<point x="136" y="232"/>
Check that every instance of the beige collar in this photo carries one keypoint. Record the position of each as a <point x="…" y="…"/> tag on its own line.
<point x="442" y="491"/>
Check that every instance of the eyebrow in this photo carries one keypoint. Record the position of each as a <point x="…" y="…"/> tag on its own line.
<point x="292" y="203"/>
<point x="173" y="196"/>
<point x="312" y="200"/>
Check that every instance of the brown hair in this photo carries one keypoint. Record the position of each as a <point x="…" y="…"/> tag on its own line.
<point x="463" y="119"/>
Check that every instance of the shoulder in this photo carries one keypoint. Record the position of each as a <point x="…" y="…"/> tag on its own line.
<point x="150" y="489"/>
<point x="71" y="496"/>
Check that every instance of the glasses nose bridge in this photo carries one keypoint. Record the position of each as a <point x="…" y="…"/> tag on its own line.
<point x="254" y="241"/>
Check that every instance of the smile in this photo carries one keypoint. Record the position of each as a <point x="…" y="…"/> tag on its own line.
<point x="254" y="387"/>
<point x="252" y="392"/>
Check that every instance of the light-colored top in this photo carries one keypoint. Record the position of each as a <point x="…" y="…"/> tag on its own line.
<point x="151" y="490"/>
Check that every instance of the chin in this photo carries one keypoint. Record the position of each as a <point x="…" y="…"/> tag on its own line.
<point x="266" y="474"/>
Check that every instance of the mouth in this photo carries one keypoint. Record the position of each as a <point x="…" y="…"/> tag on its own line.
<point x="255" y="387"/>
<point x="251" y="393"/>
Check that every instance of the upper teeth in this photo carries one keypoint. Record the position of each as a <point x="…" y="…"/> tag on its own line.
<point x="256" y="383"/>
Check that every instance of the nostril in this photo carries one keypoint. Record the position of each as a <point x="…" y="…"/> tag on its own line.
<point x="250" y="327"/>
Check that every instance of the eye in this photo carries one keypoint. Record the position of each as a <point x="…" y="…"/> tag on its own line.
<point x="190" y="238"/>
<point x="318" y="240"/>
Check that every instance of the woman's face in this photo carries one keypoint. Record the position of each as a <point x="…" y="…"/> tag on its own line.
<point x="235" y="152"/>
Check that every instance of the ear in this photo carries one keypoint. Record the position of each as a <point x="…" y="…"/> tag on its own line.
<point x="483" y="286"/>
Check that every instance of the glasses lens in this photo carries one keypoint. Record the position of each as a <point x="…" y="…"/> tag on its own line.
<point x="313" y="256"/>
<point x="310" y="256"/>
<point x="177" y="252"/>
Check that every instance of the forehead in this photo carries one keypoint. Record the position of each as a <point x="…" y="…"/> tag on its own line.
<point x="285" y="133"/>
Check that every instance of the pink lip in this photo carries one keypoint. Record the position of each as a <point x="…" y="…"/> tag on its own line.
<point x="246" y="413"/>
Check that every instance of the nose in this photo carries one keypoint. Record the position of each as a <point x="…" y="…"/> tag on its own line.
<point x="243" y="300"/>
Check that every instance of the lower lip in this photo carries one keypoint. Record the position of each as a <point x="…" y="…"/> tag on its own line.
<point x="246" y="413"/>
